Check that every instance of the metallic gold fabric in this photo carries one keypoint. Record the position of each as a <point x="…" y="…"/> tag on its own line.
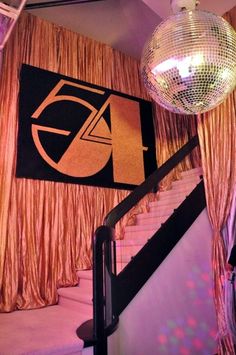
<point x="229" y="237"/>
<point x="217" y="132"/>
<point x="172" y="132"/>
<point x="46" y="228"/>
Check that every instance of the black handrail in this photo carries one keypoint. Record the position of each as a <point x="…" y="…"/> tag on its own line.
<point x="44" y="4"/>
<point x="134" y="275"/>
<point x="104" y="256"/>
<point x="153" y="180"/>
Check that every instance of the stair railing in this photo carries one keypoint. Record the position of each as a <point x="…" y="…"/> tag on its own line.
<point x="104" y="255"/>
<point x="102" y="288"/>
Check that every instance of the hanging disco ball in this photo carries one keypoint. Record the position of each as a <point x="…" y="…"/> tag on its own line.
<point x="189" y="64"/>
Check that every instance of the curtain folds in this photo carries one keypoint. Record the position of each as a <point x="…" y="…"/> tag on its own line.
<point x="172" y="132"/>
<point x="46" y="227"/>
<point x="229" y="235"/>
<point x="217" y="132"/>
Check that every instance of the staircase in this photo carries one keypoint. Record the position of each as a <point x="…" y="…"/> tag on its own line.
<point x="159" y="211"/>
<point x="51" y="330"/>
<point x="79" y="298"/>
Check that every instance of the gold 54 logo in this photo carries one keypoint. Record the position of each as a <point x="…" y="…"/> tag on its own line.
<point x="79" y="129"/>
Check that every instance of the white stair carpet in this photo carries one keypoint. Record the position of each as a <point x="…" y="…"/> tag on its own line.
<point x="52" y="330"/>
<point x="135" y="237"/>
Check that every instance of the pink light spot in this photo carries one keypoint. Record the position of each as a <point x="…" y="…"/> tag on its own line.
<point x="210" y="292"/>
<point x="205" y="276"/>
<point x="213" y="333"/>
<point x="190" y="284"/>
<point x="184" y="351"/>
<point x="179" y="333"/>
<point x="197" y="344"/>
<point x="198" y="302"/>
<point x="162" y="339"/>
<point x="192" y="322"/>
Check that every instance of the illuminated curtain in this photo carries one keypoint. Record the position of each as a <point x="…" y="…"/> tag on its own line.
<point x="217" y="132"/>
<point x="172" y="132"/>
<point x="229" y="235"/>
<point x="46" y="227"/>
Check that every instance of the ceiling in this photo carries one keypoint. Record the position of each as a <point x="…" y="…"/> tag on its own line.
<point x="122" y="24"/>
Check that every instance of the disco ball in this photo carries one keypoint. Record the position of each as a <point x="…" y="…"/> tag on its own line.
<point x="189" y="64"/>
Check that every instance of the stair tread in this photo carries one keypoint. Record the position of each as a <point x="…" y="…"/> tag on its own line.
<point x="85" y="274"/>
<point x="131" y="242"/>
<point x="128" y="250"/>
<point x="150" y="214"/>
<point x="175" y="192"/>
<point x="166" y="203"/>
<point x="183" y="187"/>
<point x="168" y="199"/>
<point x="197" y="170"/>
<point x="142" y="227"/>
<point x="45" y="340"/>
<point x="144" y="234"/>
<point x="162" y="213"/>
<point x="76" y="294"/>
<point x="125" y="258"/>
<point x="186" y="182"/>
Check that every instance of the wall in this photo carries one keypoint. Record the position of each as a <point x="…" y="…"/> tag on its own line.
<point x="174" y="312"/>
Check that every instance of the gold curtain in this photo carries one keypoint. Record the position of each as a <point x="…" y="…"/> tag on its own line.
<point x="217" y="132"/>
<point x="172" y="132"/>
<point x="46" y="227"/>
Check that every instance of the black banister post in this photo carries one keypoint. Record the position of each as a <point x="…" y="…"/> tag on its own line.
<point x="102" y="271"/>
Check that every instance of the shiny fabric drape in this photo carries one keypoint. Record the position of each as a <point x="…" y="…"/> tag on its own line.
<point x="217" y="132"/>
<point x="172" y="131"/>
<point x="229" y="235"/>
<point x="46" y="227"/>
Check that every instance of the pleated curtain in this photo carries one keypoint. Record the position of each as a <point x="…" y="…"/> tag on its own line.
<point x="217" y="135"/>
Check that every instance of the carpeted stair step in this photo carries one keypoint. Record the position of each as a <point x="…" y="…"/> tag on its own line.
<point x="85" y="278"/>
<point x="75" y="299"/>
<point x="163" y="204"/>
<point x="162" y="212"/>
<point x="150" y="218"/>
<point x="182" y="186"/>
<point x="124" y="258"/>
<point x="178" y="190"/>
<point x="195" y="171"/>
<point x="174" y="196"/>
<point x="120" y="266"/>
<point x="138" y="228"/>
<point x="189" y="179"/>
<point x="45" y="331"/>
<point x="174" y="201"/>
<point x="131" y="242"/>
<point x="142" y="234"/>
<point x="129" y="250"/>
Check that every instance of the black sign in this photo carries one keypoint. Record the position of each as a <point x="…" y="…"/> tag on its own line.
<point x="76" y="132"/>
